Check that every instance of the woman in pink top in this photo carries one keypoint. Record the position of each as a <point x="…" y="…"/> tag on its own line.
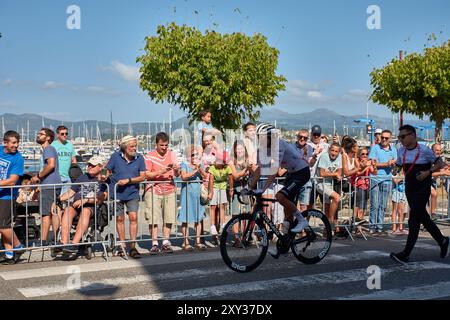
<point x="362" y="183"/>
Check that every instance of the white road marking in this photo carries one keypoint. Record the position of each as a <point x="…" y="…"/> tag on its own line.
<point x="106" y="266"/>
<point x="115" y="265"/>
<point x="99" y="284"/>
<point x="433" y="291"/>
<point x="331" y="278"/>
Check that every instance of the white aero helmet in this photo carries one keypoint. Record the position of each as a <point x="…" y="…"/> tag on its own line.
<point x="265" y="128"/>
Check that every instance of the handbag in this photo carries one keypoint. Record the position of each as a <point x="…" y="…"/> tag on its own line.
<point x="204" y="193"/>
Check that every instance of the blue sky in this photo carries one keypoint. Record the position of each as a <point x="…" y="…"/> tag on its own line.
<point x="326" y="50"/>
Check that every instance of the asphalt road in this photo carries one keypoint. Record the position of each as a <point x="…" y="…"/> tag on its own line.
<point x="343" y="274"/>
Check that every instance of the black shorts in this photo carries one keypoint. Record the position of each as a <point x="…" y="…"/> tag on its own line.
<point x="7" y="207"/>
<point x="294" y="182"/>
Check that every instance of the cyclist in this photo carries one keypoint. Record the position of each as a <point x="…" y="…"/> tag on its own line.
<point x="273" y="153"/>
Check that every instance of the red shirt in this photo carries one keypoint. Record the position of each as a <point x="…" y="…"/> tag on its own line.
<point x="154" y="162"/>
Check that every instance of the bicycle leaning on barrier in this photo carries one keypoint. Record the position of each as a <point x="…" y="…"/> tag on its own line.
<point x="244" y="241"/>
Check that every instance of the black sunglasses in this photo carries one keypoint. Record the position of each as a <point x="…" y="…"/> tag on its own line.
<point x="302" y="138"/>
<point x="64" y="134"/>
<point x="385" y="138"/>
<point x="403" y="136"/>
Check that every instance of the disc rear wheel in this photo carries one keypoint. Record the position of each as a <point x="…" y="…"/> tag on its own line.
<point x="312" y="244"/>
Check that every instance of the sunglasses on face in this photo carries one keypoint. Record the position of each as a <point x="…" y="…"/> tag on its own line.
<point x="403" y="136"/>
<point x="385" y="138"/>
<point x="302" y="138"/>
<point x="64" y="134"/>
<point x="364" y="154"/>
<point x="316" y="135"/>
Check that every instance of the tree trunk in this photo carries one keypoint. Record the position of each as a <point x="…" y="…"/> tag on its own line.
<point x="438" y="131"/>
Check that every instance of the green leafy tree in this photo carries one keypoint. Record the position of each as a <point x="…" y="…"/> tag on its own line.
<point x="233" y="75"/>
<point x="419" y="85"/>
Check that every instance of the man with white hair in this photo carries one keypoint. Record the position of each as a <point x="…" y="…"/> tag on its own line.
<point x="127" y="169"/>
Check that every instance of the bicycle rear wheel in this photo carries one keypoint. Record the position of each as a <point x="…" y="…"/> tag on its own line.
<point x="313" y="244"/>
<point x="243" y="243"/>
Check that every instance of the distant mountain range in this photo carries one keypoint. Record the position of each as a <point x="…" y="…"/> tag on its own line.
<point x="327" y="119"/>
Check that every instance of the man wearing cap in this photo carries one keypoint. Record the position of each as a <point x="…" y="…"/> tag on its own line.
<point x="377" y="137"/>
<point x="319" y="149"/>
<point x="127" y="169"/>
<point x="84" y="196"/>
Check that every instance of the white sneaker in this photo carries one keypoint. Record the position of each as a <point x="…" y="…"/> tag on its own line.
<point x="273" y="252"/>
<point x="214" y="231"/>
<point x="302" y="224"/>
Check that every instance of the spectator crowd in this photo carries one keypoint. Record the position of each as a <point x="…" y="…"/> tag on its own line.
<point x="206" y="184"/>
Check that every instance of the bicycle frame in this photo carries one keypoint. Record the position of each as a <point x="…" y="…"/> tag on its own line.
<point x="259" y="212"/>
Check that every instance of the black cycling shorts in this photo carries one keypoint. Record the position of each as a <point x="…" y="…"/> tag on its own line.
<point x="294" y="182"/>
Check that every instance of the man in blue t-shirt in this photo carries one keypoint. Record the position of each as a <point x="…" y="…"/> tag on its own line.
<point x="11" y="169"/>
<point x="48" y="175"/>
<point x="66" y="155"/>
<point x="127" y="169"/>
<point x="384" y="155"/>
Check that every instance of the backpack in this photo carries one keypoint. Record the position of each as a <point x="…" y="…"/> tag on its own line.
<point x="74" y="172"/>
<point x="102" y="217"/>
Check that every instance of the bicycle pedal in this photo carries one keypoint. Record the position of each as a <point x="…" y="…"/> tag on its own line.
<point x="274" y="255"/>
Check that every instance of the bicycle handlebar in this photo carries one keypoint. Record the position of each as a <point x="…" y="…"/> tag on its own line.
<point x="252" y="193"/>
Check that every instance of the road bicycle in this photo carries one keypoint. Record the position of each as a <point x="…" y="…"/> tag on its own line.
<point x="244" y="240"/>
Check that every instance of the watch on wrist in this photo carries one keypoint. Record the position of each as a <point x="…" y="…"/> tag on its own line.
<point x="129" y="180"/>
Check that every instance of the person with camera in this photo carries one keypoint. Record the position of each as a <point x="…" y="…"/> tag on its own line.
<point x="160" y="196"/>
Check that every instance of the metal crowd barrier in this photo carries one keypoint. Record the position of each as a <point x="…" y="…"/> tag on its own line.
<point x="346" y="213"/>
<point x="27" y="218"/>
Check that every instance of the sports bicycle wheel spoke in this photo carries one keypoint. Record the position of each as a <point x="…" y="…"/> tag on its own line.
<point x="243" y="243"/>
<point x="313" y="244"/>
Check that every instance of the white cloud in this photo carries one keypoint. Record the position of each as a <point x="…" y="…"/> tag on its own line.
<point x="300" y="93"/>
<point x="101" y="90"/>
<point x="126" y="72"/>
<point x="314" y="94"/>
<point x="7" y="104"/>
<point x="52" y="85"/>
<point x="358" y="93"/>
<point x="7" y="82"/>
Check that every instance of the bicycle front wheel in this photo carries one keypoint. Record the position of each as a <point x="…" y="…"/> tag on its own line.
<point x="243" y="243"/>
<point x="313" y="244"/>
